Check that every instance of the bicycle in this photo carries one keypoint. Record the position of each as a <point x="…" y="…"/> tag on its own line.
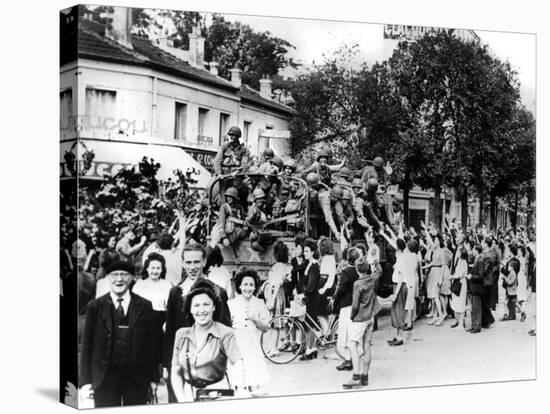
<point x="288" y="328"/>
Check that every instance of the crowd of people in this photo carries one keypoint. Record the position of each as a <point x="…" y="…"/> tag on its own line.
<point x="169" y="311"/>
<point x="263" y="201"/>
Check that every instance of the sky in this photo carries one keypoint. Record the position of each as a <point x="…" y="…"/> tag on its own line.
<point x="314" y="38"/>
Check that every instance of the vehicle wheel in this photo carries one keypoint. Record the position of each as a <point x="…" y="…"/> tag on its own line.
<point x="282" y="330"/>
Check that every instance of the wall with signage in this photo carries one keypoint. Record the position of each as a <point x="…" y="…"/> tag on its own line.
<point x="260" y="121"/>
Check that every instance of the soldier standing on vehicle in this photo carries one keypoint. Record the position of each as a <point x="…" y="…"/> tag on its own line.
<point x="233" y="156"/>
<point x="347" y="217"/>
<point x="231" y="231"/>
<point x="321" y="167"/>
<point x="317" y="224"/>
<point x="288" y="178"/>
<point x="376" y="170"/>
<point x="360" y="222"/>
<point x="331" y="205"/>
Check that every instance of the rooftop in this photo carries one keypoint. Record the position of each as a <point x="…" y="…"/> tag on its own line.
<point x="93" y="44"/>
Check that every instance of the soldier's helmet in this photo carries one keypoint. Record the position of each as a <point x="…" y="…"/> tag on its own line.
<point x="378" y="162"/>
<point x="357" y="183"/>
<point x="312" y="178"/>
<point x="337" y="192"/>
<point x="265" y="184"/>
<point x="290" y="163"/>
<point x="345" y="172"/>
<point x="268" y="153"/>
<point x="347" y="194"/>
<point x="372" y="185"/>
<point x="257" y="194"/>
<point x="278" y="162"/>
<point x="232" y="192"/>
<point x="235" y="130"/>
<point x="324" y="152"/>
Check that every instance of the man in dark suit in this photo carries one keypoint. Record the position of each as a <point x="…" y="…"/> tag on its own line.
<point x="490" y="280"/>
<point x="477" y="289"/>
<point x="116" y="361"/>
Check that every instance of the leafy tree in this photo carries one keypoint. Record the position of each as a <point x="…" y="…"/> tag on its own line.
<point x="131" y="197"/>
<point x="233" y="44"/>
<point x="458" y="96"/>
<point x="514" y="166"/>
<point x="346" y="106"/>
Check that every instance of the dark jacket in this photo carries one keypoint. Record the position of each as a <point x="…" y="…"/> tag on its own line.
<point x="365" y="304"/>
<point x="492" y="266"/>
<point x="478" y="272"/>
<point x="97" y="343"/>
<point x="176" y="319"/>
<point x="344" y="291"/>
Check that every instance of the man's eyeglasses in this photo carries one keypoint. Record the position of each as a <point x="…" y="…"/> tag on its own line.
<point x="123" y="275"/>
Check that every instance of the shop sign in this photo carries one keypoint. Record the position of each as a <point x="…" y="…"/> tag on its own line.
<point x="204" y="157"/>
<point x="97" y="170"/>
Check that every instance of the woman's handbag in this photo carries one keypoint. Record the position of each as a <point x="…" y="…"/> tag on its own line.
<point x="198" y="385"/>
<point x="297" y="309"/>
<point x="456" y="287"/>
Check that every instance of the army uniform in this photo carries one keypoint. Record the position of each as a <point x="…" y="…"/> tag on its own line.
<point x="343" y="177"/>
<point x="260" y="238"/>
<point x="267" y="167"/>
<point x="232" y="231"/>
<point x="323" y="170"/>
<point x="333" y="210"/>
<point x="231" y="158"/>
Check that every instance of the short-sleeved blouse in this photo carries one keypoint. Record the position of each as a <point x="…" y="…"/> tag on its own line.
<point x="209" y="362"/>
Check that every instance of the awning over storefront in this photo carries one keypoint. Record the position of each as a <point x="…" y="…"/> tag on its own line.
<point x="112" y="156"/>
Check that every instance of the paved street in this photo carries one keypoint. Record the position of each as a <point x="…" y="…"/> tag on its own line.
<point x="430" y="356"/>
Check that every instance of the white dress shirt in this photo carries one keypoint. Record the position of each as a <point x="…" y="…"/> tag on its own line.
<point x="125" y="301"/>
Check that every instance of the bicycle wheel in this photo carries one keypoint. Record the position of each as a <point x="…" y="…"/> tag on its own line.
<point x="331" y="340"/>
<point x="282" y="330"/>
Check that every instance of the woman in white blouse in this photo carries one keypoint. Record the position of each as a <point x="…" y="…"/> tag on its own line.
<point x="458" y="302"/>
<point x="327" y="268"/>
<point x="250" y="317"/>
<point x="155" y="288"/>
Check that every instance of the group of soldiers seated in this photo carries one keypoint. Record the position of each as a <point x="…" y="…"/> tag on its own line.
<point x="271" y="200"/>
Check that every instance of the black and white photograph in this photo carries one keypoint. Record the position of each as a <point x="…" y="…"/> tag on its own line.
<point x="255" y="206"/>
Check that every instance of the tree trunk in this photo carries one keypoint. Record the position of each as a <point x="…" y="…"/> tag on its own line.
<point x="438" y="207"/>
<point x="493" y="212"/>
<point x="514" y="218"/>
<point x="480" y="192"/>
<point x="406" y="190"/>
<point x="464" y="208"/>
<point x="530" y="199"/>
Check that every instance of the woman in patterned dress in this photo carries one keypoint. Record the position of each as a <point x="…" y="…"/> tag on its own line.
<point x="250" y="317"/>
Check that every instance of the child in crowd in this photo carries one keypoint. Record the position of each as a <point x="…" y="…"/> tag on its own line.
<point x="363" y="309"/>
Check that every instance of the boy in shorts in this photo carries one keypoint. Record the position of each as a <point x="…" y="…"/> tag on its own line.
<point x="363" y="309"/>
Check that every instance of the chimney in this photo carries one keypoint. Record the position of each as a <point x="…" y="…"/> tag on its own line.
<point x="213" y="68"/>
<point x="236" y="77"/>
<point x="265" y="87"/>
<point x="120" y="29"/>
<point x="196" y="48"/>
